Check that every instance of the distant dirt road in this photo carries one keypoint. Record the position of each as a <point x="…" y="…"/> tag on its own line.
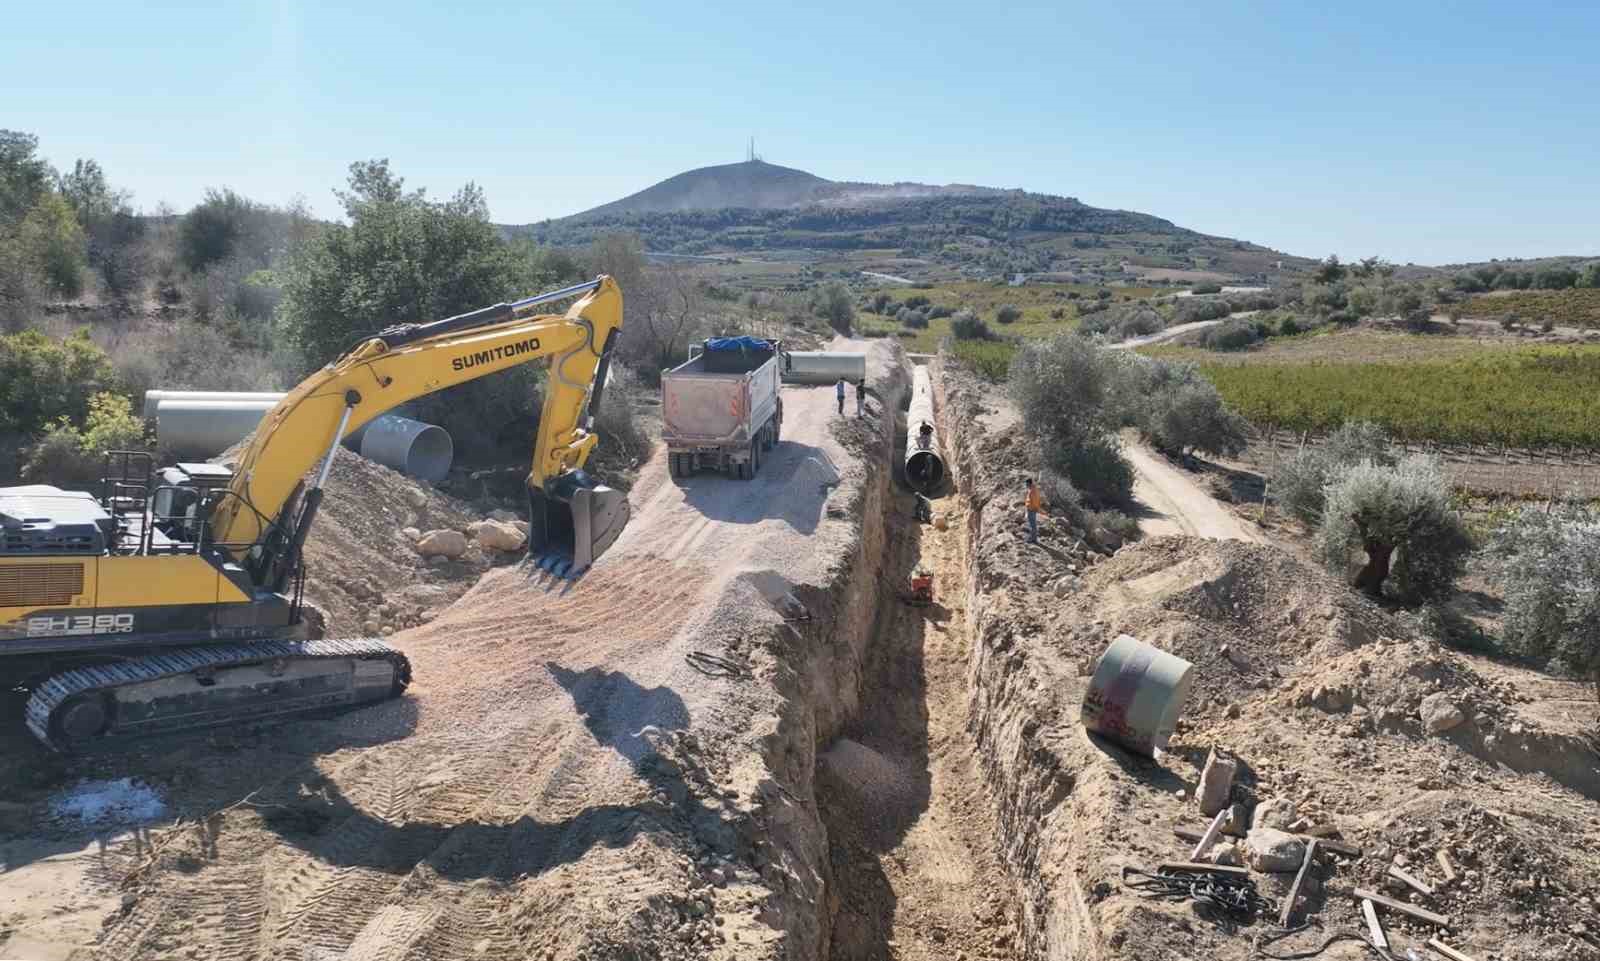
<point x="1176" y="505"/>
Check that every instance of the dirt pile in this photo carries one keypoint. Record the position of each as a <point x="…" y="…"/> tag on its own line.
<point x="364" y="572"/>
<point x="1344" y="722"/>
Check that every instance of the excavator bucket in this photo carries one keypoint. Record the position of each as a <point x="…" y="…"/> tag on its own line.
<point x="572" y="521"/>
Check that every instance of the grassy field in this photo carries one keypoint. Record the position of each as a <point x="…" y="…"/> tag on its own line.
<point x="1567" y="308"/>
<point x="1447" y="389"/>
<point x="1036" y="301"/>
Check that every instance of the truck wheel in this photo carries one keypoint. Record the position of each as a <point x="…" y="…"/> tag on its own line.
<point x="674" y="469"/>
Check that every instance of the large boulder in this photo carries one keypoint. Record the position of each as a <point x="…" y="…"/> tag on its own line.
<point x="498" y="535"/>
<point x="1276" y="813"/>
<point x="1270" y="850"/>
<point x="442" y="544"/>
<point x="1439" y="713"/>
<point x="1216" y="783"/>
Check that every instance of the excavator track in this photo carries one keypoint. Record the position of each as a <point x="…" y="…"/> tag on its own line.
<point x="212" y="686"/>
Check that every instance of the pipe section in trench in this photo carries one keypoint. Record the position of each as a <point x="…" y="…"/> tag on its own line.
<point x="924" y="466"/>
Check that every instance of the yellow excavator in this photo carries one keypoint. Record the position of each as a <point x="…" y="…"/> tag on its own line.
<point x="173" y="600"/>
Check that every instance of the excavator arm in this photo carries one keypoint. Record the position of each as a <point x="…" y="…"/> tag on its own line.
<point x="263" y="518"/>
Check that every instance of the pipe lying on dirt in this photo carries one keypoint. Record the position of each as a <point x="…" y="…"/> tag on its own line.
<point x="153" y="398"/>
<point x="409" y="446"/>
<point x="1136" y="694"/>
<point x="822" y="367"/>
<point x="207" y="427"/>
<point x="924" y="466"/>
<point x="209" y="422"/>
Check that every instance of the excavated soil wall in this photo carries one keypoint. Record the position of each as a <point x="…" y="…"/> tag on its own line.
<point x="821" y="655"/>
<point x="1024" y="703"/>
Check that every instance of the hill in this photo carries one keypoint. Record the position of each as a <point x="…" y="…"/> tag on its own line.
<point x="769" y="213"/>
<point x="753" y="185"/>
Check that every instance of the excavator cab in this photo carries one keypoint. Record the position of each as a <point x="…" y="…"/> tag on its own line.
<point x="572" y="521"/>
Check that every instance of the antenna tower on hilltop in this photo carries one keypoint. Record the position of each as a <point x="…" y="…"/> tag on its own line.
<point x="750" y="155"/>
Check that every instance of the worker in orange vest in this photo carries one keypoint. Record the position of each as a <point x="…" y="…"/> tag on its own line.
<point x="1032" y="502"/>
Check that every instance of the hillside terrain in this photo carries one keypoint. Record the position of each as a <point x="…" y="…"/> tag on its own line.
<point x="756" y="210"/>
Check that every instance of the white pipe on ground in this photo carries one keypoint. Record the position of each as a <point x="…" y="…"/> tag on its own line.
<point x="924" y="466"/>
<point x="203" y="422"/>
<point x="823" y="367"/>
<point x="207" y="427"/>
<point x="1136" y="695"/>
<point x="153" y="398"/>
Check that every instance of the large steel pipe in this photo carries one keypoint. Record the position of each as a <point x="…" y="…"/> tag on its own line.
<point x="153" y="398"/>
<point x="409" y="446"/>
<point x="823" y="367"/>
<point x="209" y="422"/>
<point x="207" y="427"/>
<point x="924" y="466"/>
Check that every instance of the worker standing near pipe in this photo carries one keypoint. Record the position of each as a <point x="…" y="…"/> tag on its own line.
<point x="838" y="393"/>
<point x="1031" y="502"/>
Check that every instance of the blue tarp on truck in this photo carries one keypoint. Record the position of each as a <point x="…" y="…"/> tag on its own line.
<point x="752" y="344"/>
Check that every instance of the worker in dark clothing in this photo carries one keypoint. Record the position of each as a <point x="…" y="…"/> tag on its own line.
<point x="861" y="398"/>
<point x="838" y="392"/>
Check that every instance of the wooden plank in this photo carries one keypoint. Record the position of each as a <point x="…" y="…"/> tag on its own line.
<point x="1379" y="939"/>
<point x="1404" y="877"/>
<point x="1321" y="830"/>
<point x="1210" y="837"/>
<point x="1339" y="847"/>
<point x="1299" y="879"/>
<point x="1188" y="834"/>
<point x="1447" y="950"/>
<point x="1445" y="866"/>
<point x="1195" y="866"/>
<point x="1421" y="914"/>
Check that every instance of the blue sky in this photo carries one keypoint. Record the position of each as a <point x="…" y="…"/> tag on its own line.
<point x="1418" y="131"/>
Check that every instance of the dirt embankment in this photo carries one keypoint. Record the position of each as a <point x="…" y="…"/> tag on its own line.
<point x="621" y="767"/>
<point x="1322" y="696"/>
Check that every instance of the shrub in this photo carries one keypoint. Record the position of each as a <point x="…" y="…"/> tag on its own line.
<point x="1206" y="289"/>
<point x="1547" y="563"/>
<point x="43" y="380"/>
<point x="1289" y="327"/>
<point x="1402" y="519"/>
<point x="832" y="303"/>
<point x="1008" y="314"/>
<point x="914" y="319"/>
<point x="1298" y="483"/>
<point x="1192" y="417"/>
<point x="989" y="359"/>
<point x="70" y="457"/>
<point x="939" y="310"/>
<point x="1192" y="309"/>
<point x="966" y="325"/>
<point x="916" y="301"/>
<point x="616" y="422"/>
<point x="1058" y="313"/>
<point x="1234" y="334"/>
<point x="1061" y="387"/>
<point x="880" y="302"/>
<point x="52" y="242"/>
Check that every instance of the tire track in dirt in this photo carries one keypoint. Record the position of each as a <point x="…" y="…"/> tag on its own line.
<point x="517" y="786"/>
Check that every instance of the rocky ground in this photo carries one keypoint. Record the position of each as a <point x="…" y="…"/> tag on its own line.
<point x="1341" y="718"/>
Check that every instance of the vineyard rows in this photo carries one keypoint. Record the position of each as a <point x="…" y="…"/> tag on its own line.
<point x="1535" y="398"/>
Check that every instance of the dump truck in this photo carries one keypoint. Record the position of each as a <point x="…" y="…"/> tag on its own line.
<point x="720" y="409"/>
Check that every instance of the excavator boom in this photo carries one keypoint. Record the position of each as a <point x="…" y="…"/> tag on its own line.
<point x="174" y="603"/>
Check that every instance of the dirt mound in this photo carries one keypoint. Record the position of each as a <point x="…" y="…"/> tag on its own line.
<point x="1345" y="721"/>
<point x="362" y="570"/>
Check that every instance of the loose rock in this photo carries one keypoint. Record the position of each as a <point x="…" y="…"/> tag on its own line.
<point x="1216" y="782"/>
<point x="1271" y="850"/>
<point x="442" y="544"/>
<point x="1439" y="713"/>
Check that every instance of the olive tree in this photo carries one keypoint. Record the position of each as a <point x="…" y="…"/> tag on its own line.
<point x="1402" y="519"/>
<point x="1547" y="563"/>
<point x="1298" y="484"/>
<point x="1062" y="387"/>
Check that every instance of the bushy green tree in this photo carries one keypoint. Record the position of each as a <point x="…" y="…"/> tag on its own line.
<point x="24" y="176"/>
<point x="52" y="243"/>
<point x="966" y="325"/>
<point x="70" y="456"/>
<point x="1547" y="564"/>
<point x="832" y="303"/>
<point x="1298" y="483"/>
<point x="1061" y="387"/>
<point x="404" y="258"/>
<point x="43" y="380"/>
<point x="227" y="225"/>
<point x="1008" y="314"/>
<point x="1402" y="520"/>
